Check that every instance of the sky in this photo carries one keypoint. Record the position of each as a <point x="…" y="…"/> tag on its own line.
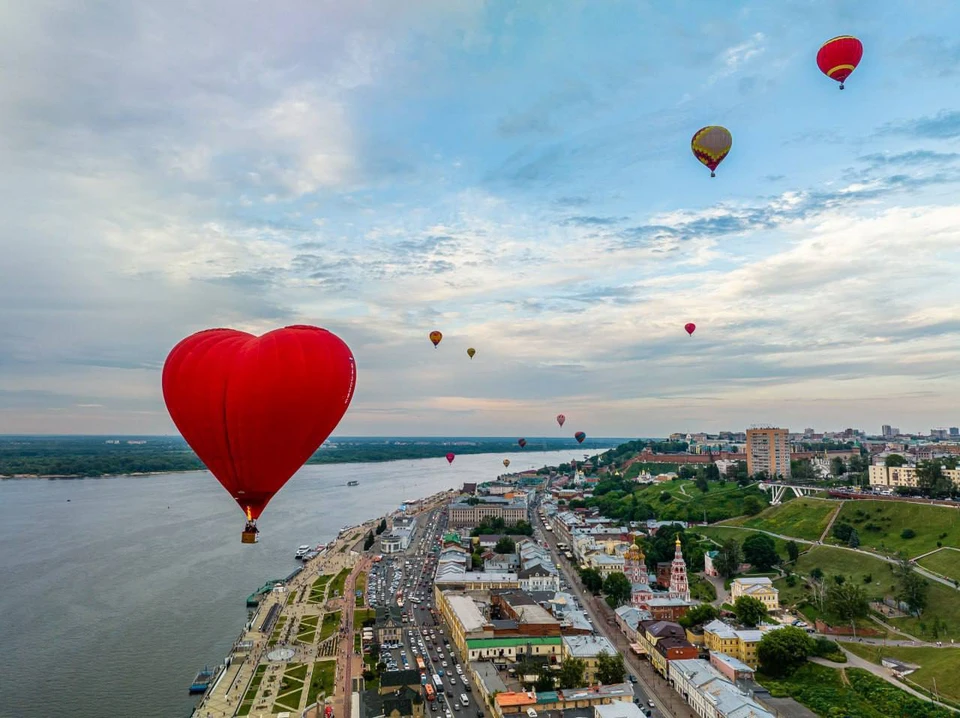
<point x="517" y="175"/>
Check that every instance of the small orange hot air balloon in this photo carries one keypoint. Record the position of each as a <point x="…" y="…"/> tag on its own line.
<point x="435" y="337"/>
<point x="470" y="352"/>
<point x="838" y="57"/>
<point x="710" y="145"/>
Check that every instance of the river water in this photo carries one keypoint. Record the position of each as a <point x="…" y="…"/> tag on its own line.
<point x="114" y="592"/>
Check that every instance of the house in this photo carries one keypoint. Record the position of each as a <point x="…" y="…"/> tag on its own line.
<point x="538" y="578"/>
<point x="628" y="618"/>
<point x="758" y="587"/>
<point x="393" y="681"/>
<point x="587" y="648"/>
<point x="709" y="694"/>
<point x="736" y="642"/>
<point x="405" y="703"/>
<point x="389" y="626"/>
<point x="662" y="642"/>
<point x="709" y="569"/>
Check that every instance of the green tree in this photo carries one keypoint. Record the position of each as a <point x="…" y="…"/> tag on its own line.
<point x="546" y="680"/>
<point x="592" y="580"/>
<point x="932" y="480"/>
<point x="712" y="472"/>
<point x="847" y="601"/>
<point x="854" y="540"/>
<point x="382" y="526"/>
<point x="761" y="551"/>
<point x="610" y="669"/>
<point x="728" y="559"/>
<point x="505" y="544"/>
<point x="617" y="589"/>
<point x="750" y="611"/>
<point x="752" y="505"/>
<point x="793" y="550"/>
<point x="783" y="651"/>
<point x="368" y="541"/>
<point x="702" y="483"/>
<point x="912" y="587"/>
<point x="571" y="673"/>
<point x="698" y="615"/>
<point x="837" y="466"/>
<point x="894" y="460"/>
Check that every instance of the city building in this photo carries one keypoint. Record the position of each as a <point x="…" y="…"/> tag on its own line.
<point x="711" y="695"/>
<point x="758" y="587"/>
<point x="736" y="642"/>
<point x="587" y="648"/>
<point x="733" y="669"/>
<point x="620" y="709"/>
<point x="662" y="642"/>
<point x="708" y="568"/>
<point x="670" y="603"/>
<point x="520" y="703"/>
<point x="892" y="477"/>
<point x="473" y="510"/>
<point x="513" y="649"/>
<point x="768" y="450"/>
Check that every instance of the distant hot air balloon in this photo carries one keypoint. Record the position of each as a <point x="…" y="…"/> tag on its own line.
<point x="710" y="145"/>
<point x="470" y="352"/>
<point x="690" y="327"/>
<point x="450" y="457"/>
<point x="579" y="436"/>
<point x="254" y="409"/>
<point x="560" y="419"/>
<point x="506" y="463"/>
<point x="838" y="57"/>
<point x="522" y="442"/>
<point x="435" y="337"/>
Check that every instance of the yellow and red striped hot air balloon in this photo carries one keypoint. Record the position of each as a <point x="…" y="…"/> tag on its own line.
<point x="710" y="145"/>
<point x="435" y="337"/>
<point x="838" y="57"/>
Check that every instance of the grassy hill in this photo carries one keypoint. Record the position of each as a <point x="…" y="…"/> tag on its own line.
<point x="880" y="525"/>
<point x="946" y="562"/>
<point x="804" y="518"/>
<point x="939" y="667"/>
<point x="944" y="602"/>
<point x="722" y="533"/>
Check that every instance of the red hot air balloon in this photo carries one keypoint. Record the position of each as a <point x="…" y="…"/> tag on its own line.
<point x="435" y="337"/>
<point x="522" y="442"/>
<point x="691" y="328"/>
<point x="579" y="436"/>
<point x="838" y="57"/>
<point x="560" y="419"/>
<point x="254" y="409"/>
<point x="450" y="457"/>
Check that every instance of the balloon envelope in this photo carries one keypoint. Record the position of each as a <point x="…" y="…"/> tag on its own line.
<point x="254" y="409"/>
<point x="579" y="436"/>
<point x="691" y="328"/>
<point x="435" y="337"/>
<point x="450" y="457"/>
<point x="711" y="145"/>
<point x="839" y="56"/>
<point x="522" y="442"/>
<point x="506" y="463"/>
<point x="470" y="352"/>
<point x="560" y="419"/>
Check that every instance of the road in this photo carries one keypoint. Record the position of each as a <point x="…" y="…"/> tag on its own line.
<point x="649" y="683"/>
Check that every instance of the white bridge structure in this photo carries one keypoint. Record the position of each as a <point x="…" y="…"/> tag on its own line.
<point x="777" y="491"/>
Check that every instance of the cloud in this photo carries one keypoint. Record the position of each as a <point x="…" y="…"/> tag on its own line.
<point x="944" y="125"/>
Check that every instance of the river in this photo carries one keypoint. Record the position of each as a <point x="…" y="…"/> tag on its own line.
<point x="116" y="591"/>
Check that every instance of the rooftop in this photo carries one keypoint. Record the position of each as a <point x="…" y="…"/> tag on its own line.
<point x="588" y="646"/>
<point x="481" y="643"/>
<point x="466" y="612"/>
<point x="618" y="709"/>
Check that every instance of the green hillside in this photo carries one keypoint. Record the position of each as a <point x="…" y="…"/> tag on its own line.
<point x="939" y="667"/>
<point x="946" y="562"/>
<point x="881" y="525"/>
<point x="722" y="533"/>
<point x="804" y="518"/>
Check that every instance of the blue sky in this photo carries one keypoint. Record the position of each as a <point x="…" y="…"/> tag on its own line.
<point x="517" y="175"/>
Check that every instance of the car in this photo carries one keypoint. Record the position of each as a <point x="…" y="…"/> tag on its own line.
<point x="651" y="704"/>
<point x="464" y="699"/>
<point x="456" y="706"/>
<point x="443" y="663"/>
<point x="632" y="678"/>
<point x="450" y="693"/>
<point x="465" y="682"/>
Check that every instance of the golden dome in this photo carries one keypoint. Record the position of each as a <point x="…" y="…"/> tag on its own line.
<point x="633" y="553"/>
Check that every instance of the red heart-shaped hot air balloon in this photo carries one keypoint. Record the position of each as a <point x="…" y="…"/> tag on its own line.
<point x="691" y="328"/>
<point x="450" y="457"/>
<point x="254" y="409"/>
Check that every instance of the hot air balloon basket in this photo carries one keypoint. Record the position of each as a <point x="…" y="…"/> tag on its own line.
<point x="249" y="537"/>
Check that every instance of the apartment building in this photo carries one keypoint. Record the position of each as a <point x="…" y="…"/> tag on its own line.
<point x="758" y="587"/>
<point x="768" y="450"/>
<point x="892" y="477"/>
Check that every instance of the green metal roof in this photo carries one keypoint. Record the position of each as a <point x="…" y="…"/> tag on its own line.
<point x="518" y="641"/>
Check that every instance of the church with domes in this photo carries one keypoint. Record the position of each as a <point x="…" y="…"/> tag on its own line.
<point x="664" y="603"/>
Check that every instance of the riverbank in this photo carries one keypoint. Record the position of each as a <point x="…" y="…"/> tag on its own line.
<point x="298" y="649"/>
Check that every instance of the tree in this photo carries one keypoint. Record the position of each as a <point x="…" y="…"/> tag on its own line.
<point x="728" y="559"/>
<point x="783" y="651"/>
<point x="712" y="472"/>
<point x="592" y="580"/>
<point x="610" y="669"/>
<point x="618" y="589"/>
<point x="571" y="674"/>
<point x="545" y="679"/>
<point x="932" y="480"/>
<point x="702" y="483"/>
<point x="752" y="505"/>
<point x="894" y="460"/>
<point x="750" y="611"/>
<point x="793" y="550"/>
<point x="854" y="540"/>
<point x="505" y="544"/>
<point x="382" y="526"/>
<point x="698" y="615"/>
<point x="847" y="601"/>
<point x="837" y="466"/>
<point x="761" y="551"/>
<point x="368" y="541"/>
<point x="912" y="588"/>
